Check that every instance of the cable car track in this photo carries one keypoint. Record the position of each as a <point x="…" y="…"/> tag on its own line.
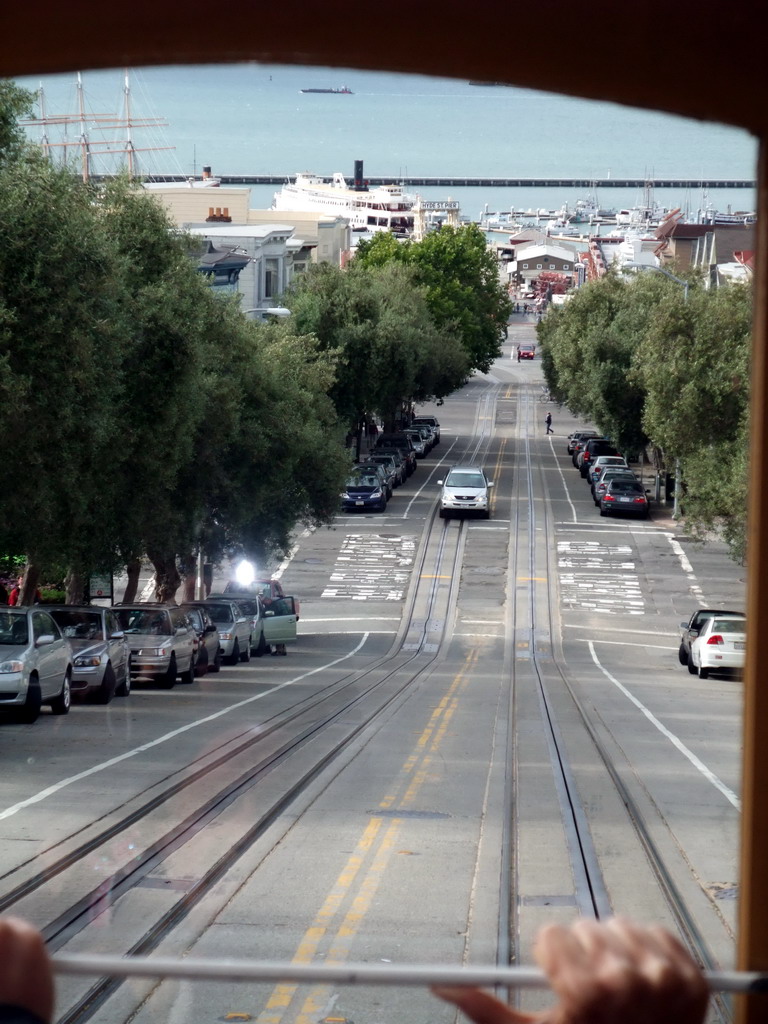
<point x="592" y="894"/>
<point x="398" y="670"/>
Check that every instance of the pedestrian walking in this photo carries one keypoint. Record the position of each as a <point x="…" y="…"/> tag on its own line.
<point x="548" y="421"/>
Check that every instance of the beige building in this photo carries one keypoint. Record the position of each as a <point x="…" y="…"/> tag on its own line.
<point x="327" y="236"/>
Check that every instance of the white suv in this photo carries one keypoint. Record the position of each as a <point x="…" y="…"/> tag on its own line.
<point x="466" y="489"/>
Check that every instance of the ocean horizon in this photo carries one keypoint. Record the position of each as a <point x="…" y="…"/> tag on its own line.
<point x="253" y="119"/>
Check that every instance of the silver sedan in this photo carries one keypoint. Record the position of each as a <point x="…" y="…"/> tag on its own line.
<point x="35" y="664"/>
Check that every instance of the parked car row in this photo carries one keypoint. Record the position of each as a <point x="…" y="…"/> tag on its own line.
<point x="50" y="653"/>
<point x="372" y="481"/>
<point x="615" y="489"/>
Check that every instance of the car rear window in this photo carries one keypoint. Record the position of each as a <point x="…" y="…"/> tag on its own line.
<point x="625" y="485"/>
<point x="729" y="626"/>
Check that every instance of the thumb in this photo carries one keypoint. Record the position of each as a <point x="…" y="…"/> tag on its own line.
<point x="483" y="1008"/>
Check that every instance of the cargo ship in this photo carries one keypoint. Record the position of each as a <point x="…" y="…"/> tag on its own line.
<point x="343" y="91"/>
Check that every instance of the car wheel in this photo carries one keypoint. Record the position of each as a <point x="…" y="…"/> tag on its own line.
<point x="60" y="705"/>
<point x="215" y="665"/>
<point x="442" y="513"/>
<point x="201" y="661"/>
<point x="703" y="672"/>
<point x="261" y="646"/>
<point x="30" y="711"/>
<point x="188" y="676"/>
<point x="234" y="657"/>
<point x="603" y="512"/>
<point x="106" y="691"/>
<point x="245" y="654"/>
<point x="168" y="679"/>
<point x="682" y="655"/>
<point x="691" y="666"/>
<point x="124" y="689"/>
<point x="487" y="515"/>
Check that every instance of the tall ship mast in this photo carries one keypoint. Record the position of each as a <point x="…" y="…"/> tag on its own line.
<point x="80" y="133"/>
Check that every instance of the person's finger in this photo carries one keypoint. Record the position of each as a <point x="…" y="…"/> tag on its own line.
<point x="26" y="978"/>
<point x="481" y="1007"/>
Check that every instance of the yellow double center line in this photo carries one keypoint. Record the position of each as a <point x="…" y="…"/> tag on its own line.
<point x="376" y="845"/>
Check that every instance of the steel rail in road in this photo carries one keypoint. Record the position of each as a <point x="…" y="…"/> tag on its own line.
<point x="397" y="662"/>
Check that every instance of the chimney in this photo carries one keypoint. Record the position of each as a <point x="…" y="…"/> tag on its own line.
<point x="359" y="184"/>
<point x="206" y="173"/>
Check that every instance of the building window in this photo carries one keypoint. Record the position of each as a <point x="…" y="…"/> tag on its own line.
<point x="268" y="284"/>
<point x="525" y="266"/>
<point x="538" y="266"/>
<point x="552" y="266"/>
<point x="566" y="266"/>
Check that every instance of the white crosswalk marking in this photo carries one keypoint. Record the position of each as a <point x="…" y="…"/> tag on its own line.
<point x="373" y="567"/>
<point x="600" y="577"/>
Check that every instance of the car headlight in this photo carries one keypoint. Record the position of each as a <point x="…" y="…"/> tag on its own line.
<point x="376" y="494"/>
<point x="225" y="636"/>
<point x="11" y="666"/>
<point x="345" y="494"/>
<point x="88" y="661"/>
<point x="154" y="652"/>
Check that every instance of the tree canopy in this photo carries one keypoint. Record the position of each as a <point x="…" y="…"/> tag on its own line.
<point x="651" y="364"/>
<point x="147" y="413"/>
<point x="463" y="291"/>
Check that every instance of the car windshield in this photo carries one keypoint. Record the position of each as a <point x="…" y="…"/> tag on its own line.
<point x="153" y="621"/>
<point x="365" y="480"/>
<point x="13" y="629"/>
<point x="76" y="624"/>
<point x="220" y="612"/>
<point x="628" y="486"/>
<point x="729" y="625"/>
<point x="465" y="478"/>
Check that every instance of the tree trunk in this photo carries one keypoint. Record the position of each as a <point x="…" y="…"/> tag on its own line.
<point x="167" y="577"/>
<point x="188" y="594"/>
<point x="75" y="587"/>
<point x="29" y="586"/>
<point x="132" y="571"/>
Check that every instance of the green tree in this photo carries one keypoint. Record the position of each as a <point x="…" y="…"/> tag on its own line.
<point x="463" y="290"/>
<point x="15" y="102"/>
<point x="587" y="348"/>
<point x="62" y="330"/>
<point x="377" y="322"/>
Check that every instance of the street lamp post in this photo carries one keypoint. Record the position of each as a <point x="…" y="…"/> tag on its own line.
<point x="685" y="286"/>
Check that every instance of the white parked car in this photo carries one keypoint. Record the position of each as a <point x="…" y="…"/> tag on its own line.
<point x="35" y="664"/>
<point x="721" y="644"/>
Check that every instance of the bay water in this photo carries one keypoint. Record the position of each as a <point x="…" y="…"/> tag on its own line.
<point x="253" y="119"/>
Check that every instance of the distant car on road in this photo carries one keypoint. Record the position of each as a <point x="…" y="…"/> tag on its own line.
<point x="234" y="627"/>
<point x="721" y="644"/>
<point x="580" y="435"/>
<point x="101" y="658"/>
<point x="526" y="351"/>
<point x="624" y="497"/>
<point x="261" y="588"/>
<point x="430" y="421"/>
<point x="466" y="489"/>
<point x="363" y="491"/>
<point x="694" y="625"/>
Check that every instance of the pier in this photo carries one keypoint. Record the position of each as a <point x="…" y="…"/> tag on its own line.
<point x="411" y="181"/>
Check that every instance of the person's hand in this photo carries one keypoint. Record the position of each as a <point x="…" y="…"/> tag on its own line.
<point x="26" y="978"/>
<point x="611" y="973"/>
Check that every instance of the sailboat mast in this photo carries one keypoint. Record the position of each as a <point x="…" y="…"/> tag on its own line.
<point x="83" y="129"/>
<point x="127" y="114"/>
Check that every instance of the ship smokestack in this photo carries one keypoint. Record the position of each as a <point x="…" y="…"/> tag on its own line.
<point x="359" y="185"/>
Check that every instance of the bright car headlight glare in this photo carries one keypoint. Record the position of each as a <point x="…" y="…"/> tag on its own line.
<point x="11" y="666"/>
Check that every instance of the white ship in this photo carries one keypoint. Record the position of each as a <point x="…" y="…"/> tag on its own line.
<point x="382" y="208"/>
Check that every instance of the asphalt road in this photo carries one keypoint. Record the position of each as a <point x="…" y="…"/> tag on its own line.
<point x="436" y="761"/>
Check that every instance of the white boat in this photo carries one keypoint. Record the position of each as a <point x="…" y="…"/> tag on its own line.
<point x="382" y="208"/>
